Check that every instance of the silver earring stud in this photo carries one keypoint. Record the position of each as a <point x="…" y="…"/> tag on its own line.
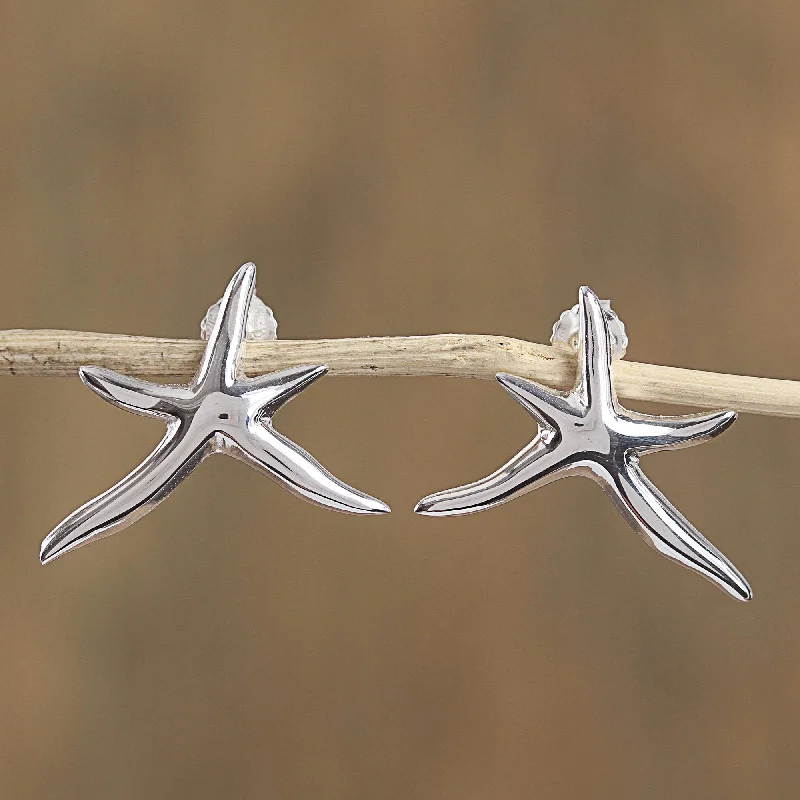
<point x="587" y="432"/>
<point x="218" y="412"/>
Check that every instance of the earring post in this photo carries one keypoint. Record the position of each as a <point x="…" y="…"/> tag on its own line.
<point x="58" y="353"/>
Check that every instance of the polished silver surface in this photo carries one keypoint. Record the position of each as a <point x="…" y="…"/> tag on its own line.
<point x="587" y="432"/>
<point x="217" y="413"/>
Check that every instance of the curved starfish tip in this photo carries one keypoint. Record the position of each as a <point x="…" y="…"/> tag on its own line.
<point x="352" y="501"/>
<point x="105" y="383"/>
<point x="283" y="386"/>
<point x="51" y="549"/>
<point x="424" y="507"/>
<point x="310" y="373"/>
<point x="728" y="418"/>
<point x="747" y="596"/>
<point x="240" y="288"/>
<point x="90" y="377"/>
<point x="247" y="270"/>
<point x="436" y="506"/>
<point x="721" y="421"/>
<point x="739" y="588"/>
<point x="376" y="506"/>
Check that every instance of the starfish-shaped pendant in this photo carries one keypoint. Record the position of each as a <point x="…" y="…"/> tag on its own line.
<point x="587" y="432"/>
<point x="216" y="413"/>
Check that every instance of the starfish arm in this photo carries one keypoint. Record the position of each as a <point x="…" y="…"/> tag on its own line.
<point x="670" y="433"/>
<point x="134" y="394"/>
<point x="133" y="497"/>
<point x="272" y="454"/>
<point x="268" y="393"/>
<point x="548" y="407"/>
<point x="594" y="385"/>
<point x="668" y="531"/>
<point x="222" y="351"/>
<point x="534" y="466"/>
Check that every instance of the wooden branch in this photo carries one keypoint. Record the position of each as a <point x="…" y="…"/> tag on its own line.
<point x="60" y="353"/>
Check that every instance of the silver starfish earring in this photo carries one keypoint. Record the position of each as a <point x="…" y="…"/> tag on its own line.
<point x="217" y="412"/>
<point x="587" y="432"/>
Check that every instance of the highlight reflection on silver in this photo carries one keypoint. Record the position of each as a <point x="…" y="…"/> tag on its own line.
<point x="587" y="432"/>
<point x="216" y="413"/>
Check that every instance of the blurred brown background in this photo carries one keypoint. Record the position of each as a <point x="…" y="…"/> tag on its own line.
<point x="416" y="167"/>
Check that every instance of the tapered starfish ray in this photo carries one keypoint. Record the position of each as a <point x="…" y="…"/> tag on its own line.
<point x="216" y="413"/>
<point x="587" y="432"/>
